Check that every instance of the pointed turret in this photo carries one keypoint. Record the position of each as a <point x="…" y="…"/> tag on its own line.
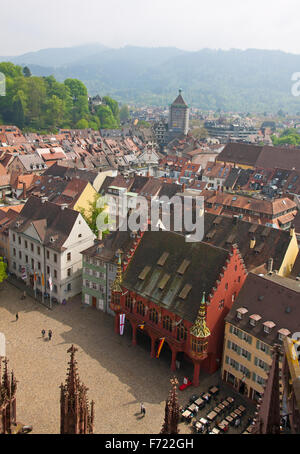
<point x="200" y="329"/>
<point x="75" y="417"/>
<point x="116" y="286"/>
<point x="171" y="421"/>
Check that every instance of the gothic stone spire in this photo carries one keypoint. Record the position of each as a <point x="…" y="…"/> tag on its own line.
<point x="74" y="408"/>
<point x="268" y="416"/>
<point x="170" y="425"/>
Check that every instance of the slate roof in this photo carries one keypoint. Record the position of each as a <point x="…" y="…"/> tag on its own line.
<point x="223" y="231"/>
<point x="273" y="301"/>
<point x="265" y="157"/>
<point x="50" y="221"/>
<point x="205" y="263"/>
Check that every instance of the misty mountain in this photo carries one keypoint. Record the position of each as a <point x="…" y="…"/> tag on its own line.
<point x="56" y="57"/>
<point x="251" y="80"/>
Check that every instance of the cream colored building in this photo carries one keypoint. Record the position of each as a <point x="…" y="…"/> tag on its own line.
<point x="265" y="312"/>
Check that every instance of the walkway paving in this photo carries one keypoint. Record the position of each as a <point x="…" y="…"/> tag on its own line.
<point x="118" y="375"/>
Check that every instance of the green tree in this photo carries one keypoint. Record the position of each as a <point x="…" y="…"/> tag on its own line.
<point x="19" y="106"/>
<point x="82" y="124"/>
<point x="106" y="117"/>
<point x="124" y="113"/>
<point x="91" y="215"/>
<point x="3" y="267"/>
<point x="114" y="107"/>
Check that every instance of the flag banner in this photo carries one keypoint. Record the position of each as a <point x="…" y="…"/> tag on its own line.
<point x="141" y="325"/>
<point x="50" y="283"/>
<point x="24" y="274"/>
<point x="34" y="275"/>
<point x="122" y="324"/>
<point x="161" y="343"/>
<point x="43" y="280"/>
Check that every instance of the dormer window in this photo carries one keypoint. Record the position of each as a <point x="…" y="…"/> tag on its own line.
<point x="268" y="326"/>
<point x="241" y="312"/>
<point x="254" y="319"/>
<point x="283" y="333"/>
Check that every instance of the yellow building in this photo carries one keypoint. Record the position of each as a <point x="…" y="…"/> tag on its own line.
<point x="265" y="312"/>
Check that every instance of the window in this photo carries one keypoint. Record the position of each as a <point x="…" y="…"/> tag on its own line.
<point x="26" y="258"/>
<point x="26" y="244"/>
<point x="14" y="252"/>
<point x="153" y="316"/>
<point x="257" y="379"/>
<point x="20" y="255"/>
<point x="55" y="258"/>
<point x="263" y="347"/>
<point x="262" y="364"/>
<point x="39" y="250"/>
<point x="69" y="287"/>
<point x="31" y="247"/>
<point x="32" y="264"/>
<point x="54" y="288"/>
<point x="39" y="265"/>
<point x="87" y="284"/>
<point x="69" y="256"/>
<point x="19" y="240"/>
<point x="167" y="323"/>
<point x="181" y="332"/>
<point x="14" y="266"/>
<point x="129" y="302"/>
<point x="241" y="334"/>
<point x="69" y="272"/>
<point x="55" y="274"/>
<point x="48" y="255"/>
<point x="140" y="309"/>
<point x="48" y="270"/>
<point x="14" y="237"/>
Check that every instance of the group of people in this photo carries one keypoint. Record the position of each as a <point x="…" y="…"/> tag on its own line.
<point x="49" y="334"/>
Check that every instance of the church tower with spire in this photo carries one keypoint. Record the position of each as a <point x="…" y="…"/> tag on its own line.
<point x="76" y="417"/>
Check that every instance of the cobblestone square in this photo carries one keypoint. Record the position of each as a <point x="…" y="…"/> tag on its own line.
<point x="118" y="375"/>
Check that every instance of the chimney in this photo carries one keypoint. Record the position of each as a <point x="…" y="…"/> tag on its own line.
<point x="252" y="242"/>
<point x="270" y="265"/>
<point x="3" y="195"/>
<point x="64" y="206"/>
<point x="24" y="190"/>
<point x="44" y="199"/>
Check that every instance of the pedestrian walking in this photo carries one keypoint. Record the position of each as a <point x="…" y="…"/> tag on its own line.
<point x="43" y="333"/>
<point x="17" y="316"/>
<point x="143" y="410"/>
<point x="49" y="334"/>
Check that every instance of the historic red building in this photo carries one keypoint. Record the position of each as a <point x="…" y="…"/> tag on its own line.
<point x="160" y="289"/>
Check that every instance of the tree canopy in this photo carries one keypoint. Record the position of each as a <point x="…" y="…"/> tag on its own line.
<point x="44" y="104"/>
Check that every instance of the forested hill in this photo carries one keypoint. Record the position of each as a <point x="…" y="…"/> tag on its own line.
<point x="250" y="80"/>
<point x="43" y="104"/>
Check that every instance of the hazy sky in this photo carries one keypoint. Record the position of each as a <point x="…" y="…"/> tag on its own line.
<point x="28" y="25"/>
